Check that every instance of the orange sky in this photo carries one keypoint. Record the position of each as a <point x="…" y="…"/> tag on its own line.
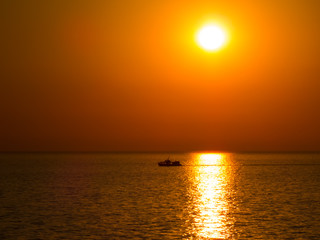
<point x="128" y="76"/>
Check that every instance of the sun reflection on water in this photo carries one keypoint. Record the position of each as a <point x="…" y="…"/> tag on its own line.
<point x="210" y="158"/>
<point x="210" y="192"/>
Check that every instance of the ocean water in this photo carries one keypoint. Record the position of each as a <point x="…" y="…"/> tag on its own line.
<point x="127" y="196"/>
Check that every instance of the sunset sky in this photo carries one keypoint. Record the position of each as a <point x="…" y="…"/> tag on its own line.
<point x="129" y="76"/>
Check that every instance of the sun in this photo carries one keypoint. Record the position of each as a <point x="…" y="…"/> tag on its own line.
<point x="211" y="37"/>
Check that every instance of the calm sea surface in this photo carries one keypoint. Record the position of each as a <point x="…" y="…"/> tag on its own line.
<point x="127" y="196"/>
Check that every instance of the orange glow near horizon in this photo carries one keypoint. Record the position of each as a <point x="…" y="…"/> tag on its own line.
<point x="119" y="76"/>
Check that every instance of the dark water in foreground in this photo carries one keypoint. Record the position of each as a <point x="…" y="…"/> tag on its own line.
<point x="127" y="196"/>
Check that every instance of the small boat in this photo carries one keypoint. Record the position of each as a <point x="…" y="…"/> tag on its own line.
<point x="169" y="163"/>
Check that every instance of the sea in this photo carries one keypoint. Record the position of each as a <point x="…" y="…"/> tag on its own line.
<point x="128" y="196"/>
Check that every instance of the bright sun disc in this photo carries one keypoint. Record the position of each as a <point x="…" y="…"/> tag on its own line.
<point x="211" y="37"/>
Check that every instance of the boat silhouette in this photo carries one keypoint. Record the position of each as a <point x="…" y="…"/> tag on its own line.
<point x="169" y="163"/>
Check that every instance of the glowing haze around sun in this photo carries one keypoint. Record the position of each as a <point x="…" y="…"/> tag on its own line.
<point x="211" y="37"/>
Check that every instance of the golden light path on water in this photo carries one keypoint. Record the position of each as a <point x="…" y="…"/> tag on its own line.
<point x="211" y="179"/>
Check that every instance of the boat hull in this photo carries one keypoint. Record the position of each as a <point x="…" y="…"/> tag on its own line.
<point x="168" y="163"/>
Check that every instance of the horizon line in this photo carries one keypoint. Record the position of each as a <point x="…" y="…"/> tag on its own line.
<point x="153" y="151"/>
